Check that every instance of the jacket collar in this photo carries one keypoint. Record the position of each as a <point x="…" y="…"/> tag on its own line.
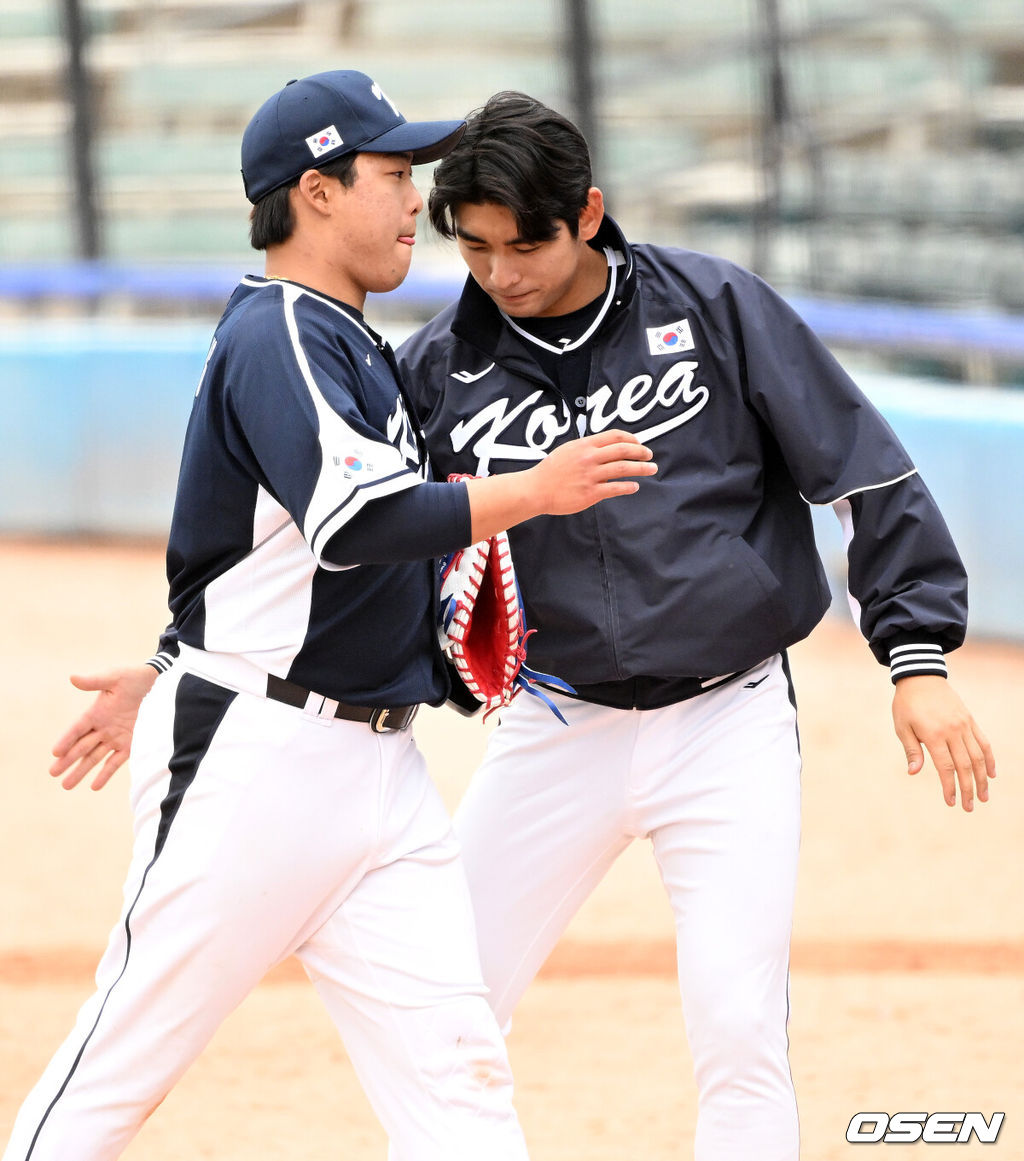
<point x="479" y="322"/>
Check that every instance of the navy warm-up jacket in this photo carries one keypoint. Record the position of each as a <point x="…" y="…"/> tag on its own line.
<point x="712" y="566"/>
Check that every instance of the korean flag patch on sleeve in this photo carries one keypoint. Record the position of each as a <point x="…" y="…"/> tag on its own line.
<point x="670" y="339"/>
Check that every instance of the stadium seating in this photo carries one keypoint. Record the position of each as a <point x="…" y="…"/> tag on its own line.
<point x="903" y="148"/>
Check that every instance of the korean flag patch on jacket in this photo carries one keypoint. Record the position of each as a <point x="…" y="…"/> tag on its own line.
<point x="670" y="339"/>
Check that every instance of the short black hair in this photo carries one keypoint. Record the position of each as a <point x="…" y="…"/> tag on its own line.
<point x="271" y="221"/>
<point x="516" y="153"/>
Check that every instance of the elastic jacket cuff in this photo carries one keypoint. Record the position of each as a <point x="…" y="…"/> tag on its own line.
<point x="915" y="660"/>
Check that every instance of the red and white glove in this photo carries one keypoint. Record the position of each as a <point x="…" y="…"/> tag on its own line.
<point x="482" y="624"/>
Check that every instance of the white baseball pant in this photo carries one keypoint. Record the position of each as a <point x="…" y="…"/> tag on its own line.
<point x="714" y="783"/>
<point x="272" y="831"/>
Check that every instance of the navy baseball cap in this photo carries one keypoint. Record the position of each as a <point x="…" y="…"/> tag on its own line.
<point x="326" y="116"/>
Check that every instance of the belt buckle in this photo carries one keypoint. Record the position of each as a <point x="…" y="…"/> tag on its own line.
<point x="385" y="719"/>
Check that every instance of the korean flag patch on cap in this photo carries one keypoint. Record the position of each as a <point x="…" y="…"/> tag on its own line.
<point x="670" y="339"/>
<point x="324" y="141"/>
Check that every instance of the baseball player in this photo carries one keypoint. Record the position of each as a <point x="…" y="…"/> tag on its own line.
<point x="670" y="614"/>
<point x="281" y="806"/>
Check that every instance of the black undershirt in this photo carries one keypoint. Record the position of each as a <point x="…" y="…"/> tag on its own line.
<point x="568" y="370"/>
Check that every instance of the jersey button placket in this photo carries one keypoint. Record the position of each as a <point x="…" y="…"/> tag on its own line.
<point x="581" y="417"/>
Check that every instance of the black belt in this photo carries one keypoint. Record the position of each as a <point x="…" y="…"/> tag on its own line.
<point x="646" y="693"/>
<point x="382" y="719"/>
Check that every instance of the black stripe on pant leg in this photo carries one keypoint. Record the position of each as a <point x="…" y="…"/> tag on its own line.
<point x="796" y="725"/>
<point x="199" y="708"/>
<point x="792" y="694"/>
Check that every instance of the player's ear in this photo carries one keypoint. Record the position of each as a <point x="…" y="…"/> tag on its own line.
<point x="592" y="214"/>
<point x="313" y="190"/>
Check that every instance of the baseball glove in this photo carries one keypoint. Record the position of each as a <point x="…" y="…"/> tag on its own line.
<point x="482" y="626"/>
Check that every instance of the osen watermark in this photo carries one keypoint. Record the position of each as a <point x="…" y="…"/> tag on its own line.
<point x="932" y="1128"/>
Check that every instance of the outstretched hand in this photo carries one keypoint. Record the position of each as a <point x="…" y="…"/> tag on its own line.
<point x="929" y="715"/>
<point x="104" y="732"/>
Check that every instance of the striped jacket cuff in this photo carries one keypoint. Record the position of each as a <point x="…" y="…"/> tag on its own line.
<point x="161" y="662"/>
<point x="916" y="660"/>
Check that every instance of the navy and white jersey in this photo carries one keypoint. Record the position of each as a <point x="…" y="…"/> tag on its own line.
<point x="712" y="566"/>
<point x="299" y="433"/>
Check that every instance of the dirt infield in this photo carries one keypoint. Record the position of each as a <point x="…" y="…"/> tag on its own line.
<point x="908" y="957"/>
